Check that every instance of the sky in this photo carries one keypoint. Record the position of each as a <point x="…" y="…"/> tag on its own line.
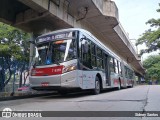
<point x="133" y="15"/>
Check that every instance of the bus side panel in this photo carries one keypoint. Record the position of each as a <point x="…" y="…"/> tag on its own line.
<point x="124" y="77"/>
<point x="89" y="79"/>
<point x="129" y="82"/>
<point x="104" y="84"/>
<point x="122" y="81"/>
<point x="114" y="80"/>
<point x="69" y="79"/>
<point x="79" y="79"/>
<point x="54" y="80"/>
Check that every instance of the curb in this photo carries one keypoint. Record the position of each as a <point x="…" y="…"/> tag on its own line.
<point x="25" y="96"/>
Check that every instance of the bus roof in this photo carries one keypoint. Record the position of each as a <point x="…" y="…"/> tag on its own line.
<point x="84" y="31"/>
<point x="63" y="30"/>
<point x="87" y="32"/>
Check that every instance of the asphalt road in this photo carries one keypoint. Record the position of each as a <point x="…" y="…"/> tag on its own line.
<point x="140" y="98"/>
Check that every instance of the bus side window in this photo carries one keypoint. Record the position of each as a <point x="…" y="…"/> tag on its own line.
<point x="100" y="64"/>
<point x="130" y="74"/>
<point x="116" y="66"/>
<point x="72" y="51"/>
<point x="120" y="69"/>
<point x="111" y="64"/>
<point x="93" y="55"/>
<point x="86" y="53"/>
<point x="126" y="71"/>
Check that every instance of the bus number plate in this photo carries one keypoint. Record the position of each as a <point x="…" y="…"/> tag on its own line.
<point x="44" y="84"/>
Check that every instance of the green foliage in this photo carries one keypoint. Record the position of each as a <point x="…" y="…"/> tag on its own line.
<point x="13" y="43"/>
<point x="151" y="37"/>
<point x="153" y="22"/>
<point x="152" y="65"/>
<point x="158" y="10"/>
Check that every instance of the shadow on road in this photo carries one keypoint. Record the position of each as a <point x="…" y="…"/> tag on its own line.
<point x="76" y="94"/>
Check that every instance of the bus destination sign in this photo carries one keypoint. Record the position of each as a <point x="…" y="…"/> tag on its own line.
<point x="51" y="37"/>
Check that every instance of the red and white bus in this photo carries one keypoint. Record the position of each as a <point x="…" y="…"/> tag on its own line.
<point x="74" y="58"/>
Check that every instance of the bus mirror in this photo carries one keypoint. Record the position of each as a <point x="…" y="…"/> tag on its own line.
<point x="36" y="59"/>
<point x="32" y="42"/>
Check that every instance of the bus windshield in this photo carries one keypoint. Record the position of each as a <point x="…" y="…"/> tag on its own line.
<point x="55" y="52"/>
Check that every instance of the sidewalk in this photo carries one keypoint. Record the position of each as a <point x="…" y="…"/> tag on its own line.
<point x="21" y="95"/>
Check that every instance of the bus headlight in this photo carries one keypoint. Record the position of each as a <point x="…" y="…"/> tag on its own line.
<point x="69" y="68"/>
<point x="33" y="72"/>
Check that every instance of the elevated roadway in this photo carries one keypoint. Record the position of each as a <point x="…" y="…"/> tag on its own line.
<point x="100" y="17"/>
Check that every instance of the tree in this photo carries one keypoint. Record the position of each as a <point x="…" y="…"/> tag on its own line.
<point x="14" y="47"/>
<point x="13" y="43"/>
<point x="151" y="37"/>
<point x="152" y="65"/>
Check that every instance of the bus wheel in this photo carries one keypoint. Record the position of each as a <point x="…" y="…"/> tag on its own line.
<point x="97" y="88"/>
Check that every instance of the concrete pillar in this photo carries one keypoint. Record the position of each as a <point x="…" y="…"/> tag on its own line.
<point x="139" y="79"/>
<point x="32" y="48"/>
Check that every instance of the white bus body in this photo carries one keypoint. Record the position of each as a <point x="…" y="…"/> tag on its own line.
<point x="74" y="58"/>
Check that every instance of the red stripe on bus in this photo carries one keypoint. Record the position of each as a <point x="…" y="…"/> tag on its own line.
<point x="129" y="81"/>
<point x="47" y="71"/>
<point x="116" y="81"/>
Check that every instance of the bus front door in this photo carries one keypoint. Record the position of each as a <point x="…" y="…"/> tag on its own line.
<point x="107" y="70"/>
